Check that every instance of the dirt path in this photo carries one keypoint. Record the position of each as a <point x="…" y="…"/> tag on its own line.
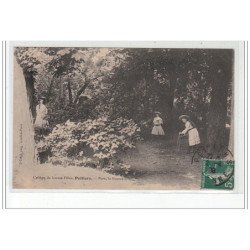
<point x="158" y="162"/>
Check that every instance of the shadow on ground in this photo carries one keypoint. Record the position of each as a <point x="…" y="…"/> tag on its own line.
<point x="159" y="162"/>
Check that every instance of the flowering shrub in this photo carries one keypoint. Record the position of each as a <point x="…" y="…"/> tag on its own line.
<point x="92" y="142"/>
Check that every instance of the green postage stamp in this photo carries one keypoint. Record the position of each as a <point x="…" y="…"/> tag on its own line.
<point x="217" y="174"/>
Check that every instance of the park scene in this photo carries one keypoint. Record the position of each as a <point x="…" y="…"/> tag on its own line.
<point x="126" y="118"/>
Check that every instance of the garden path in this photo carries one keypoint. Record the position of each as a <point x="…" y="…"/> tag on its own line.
<point x="158" y="161"/>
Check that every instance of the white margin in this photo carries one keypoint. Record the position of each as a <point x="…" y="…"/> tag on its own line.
<point x="131" y="198"/>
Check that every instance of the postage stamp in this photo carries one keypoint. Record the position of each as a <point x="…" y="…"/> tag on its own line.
<point x="217" y="174"/>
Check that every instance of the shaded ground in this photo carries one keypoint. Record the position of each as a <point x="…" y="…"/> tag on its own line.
<point x="158" y="162"/>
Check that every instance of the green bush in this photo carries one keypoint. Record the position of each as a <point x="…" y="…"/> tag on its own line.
<point x="90" y="143"/>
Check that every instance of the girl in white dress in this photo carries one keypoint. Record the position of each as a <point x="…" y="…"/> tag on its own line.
<point x="191" y="130"/>
<point x="41" y="113"/>
<point x="157" y="129"/>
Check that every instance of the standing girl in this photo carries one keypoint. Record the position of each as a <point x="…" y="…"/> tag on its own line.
<point x="191" y="130"/>
<point x="157" y="129"/>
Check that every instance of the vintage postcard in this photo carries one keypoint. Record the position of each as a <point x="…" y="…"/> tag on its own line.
<point x="123" y="118"/>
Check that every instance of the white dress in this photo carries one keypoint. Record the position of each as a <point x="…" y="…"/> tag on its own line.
<point x="157" y="129"/>
<point x="41" y="112"/>
<point x="193" y="135"/>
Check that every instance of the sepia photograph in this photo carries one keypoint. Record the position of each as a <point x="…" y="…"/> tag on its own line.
<point x="123" y="118"/>
<point x="124" y="124"/>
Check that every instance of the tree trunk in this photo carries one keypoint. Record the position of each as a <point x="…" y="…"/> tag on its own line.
<point x="221" y="72"/>
<point x="170" y="94"/>
<point x="61" y="92"/>
<point x="69" y="92"/>
<point x="30" y="80"/>
<point x="49" y="93"/>
<point x="23" y="131"/>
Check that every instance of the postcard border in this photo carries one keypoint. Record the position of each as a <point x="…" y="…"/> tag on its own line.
<point x="4" y="170"/>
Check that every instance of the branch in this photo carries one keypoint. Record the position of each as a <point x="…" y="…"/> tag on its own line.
<point x="69" y="91"/>
<point x="50" y="87"/>
<point x="82" y="89"/>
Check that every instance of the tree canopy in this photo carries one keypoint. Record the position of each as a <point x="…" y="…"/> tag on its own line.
<point x="83" y="83"/>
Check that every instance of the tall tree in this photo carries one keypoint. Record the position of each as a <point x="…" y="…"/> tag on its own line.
<point x="221" y="69"/>
<point x="27" y="59"/>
